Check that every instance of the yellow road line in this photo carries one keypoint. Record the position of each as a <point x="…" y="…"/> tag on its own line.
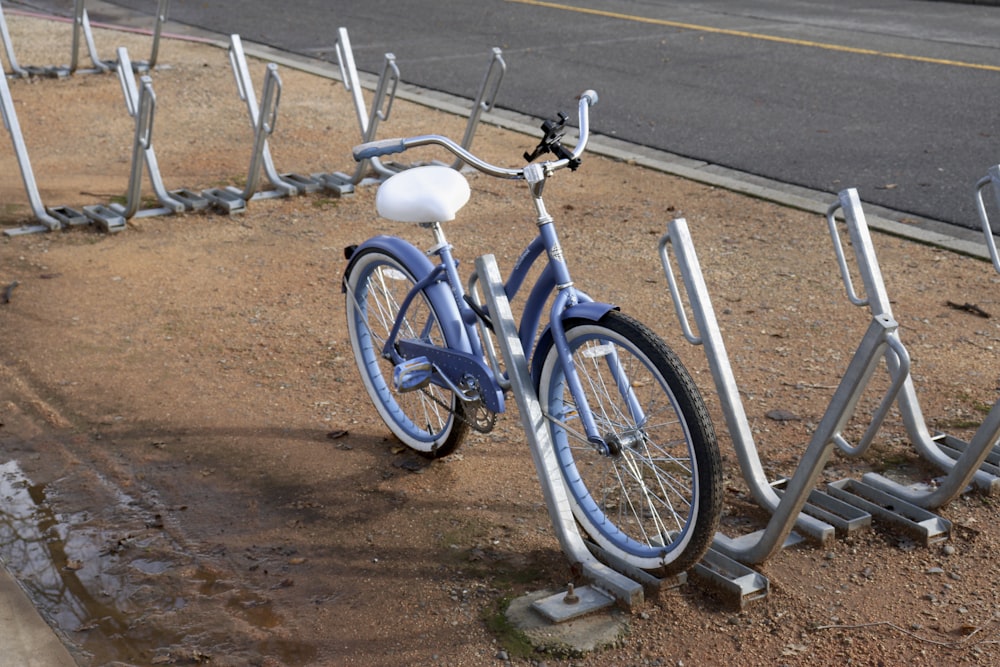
<point x="754" y="35"/>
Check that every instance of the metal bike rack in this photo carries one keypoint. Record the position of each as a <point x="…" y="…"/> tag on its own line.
<point x="262" y="119"/>
<point x="81" y="24"/>
<point x="141" y="106"/>
<point x="975" y="462"/>
<point x="25" y="71"/>
<point x="385" y="95"/>
<point x="604" y="579"/>
<point x="82" y="29"/>
<point x="485" y="100"/>
<point x="795" y="503"/>
<point x="49" y="219"/>
<point x="285" y="184"/>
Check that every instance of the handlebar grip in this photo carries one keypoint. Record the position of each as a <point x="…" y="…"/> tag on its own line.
<point x="590" y="96"/>
<point x="377" y="148"/>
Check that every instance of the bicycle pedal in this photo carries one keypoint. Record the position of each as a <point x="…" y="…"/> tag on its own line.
<point x="412" y="374"/>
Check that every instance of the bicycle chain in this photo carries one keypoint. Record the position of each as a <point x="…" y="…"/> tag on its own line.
<point x="474" y="425"/>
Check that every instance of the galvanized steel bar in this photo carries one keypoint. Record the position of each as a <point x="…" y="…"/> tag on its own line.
<point x="959" y="472"/>
<point x="21" y="151"/>
<point x="629" y="592"/>
<point x="141" y="106"/>
<point x="262" y="120"/>
<point x="485" y="100"/>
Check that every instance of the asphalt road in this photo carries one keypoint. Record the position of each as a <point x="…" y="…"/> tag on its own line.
<point x="897" y="99"/>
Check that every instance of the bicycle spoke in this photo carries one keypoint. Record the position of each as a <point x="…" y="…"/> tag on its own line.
<point x="643" y="497"/>
<point x="382" y="299"/>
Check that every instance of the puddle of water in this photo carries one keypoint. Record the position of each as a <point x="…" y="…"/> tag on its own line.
<point x="35" y="545"/>
<point x="209" y="583"/>
<point x="147" y="566"/>
<point x="256" y="610"/>
<point x="81" y="586"/>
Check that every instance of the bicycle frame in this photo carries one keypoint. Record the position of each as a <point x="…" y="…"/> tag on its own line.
<point x="465" y="357"/>
<point x="437" y="363"/>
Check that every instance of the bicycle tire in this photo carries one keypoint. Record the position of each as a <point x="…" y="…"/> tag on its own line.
<point x="430" y="420"/>
<point x="655" y="497"/>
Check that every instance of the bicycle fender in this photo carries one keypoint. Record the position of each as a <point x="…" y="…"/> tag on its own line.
<point x="409" y="254"/>
<point x="417" y="262"/>
<point x="588" y="310"/>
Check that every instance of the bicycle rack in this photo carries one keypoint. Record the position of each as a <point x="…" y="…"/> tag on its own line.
<point x="485" y="100"/>
<point x="50" y="219"/>
<point x="974" y="462"/>
<point x="603" y="578"/>
<point x="141" y="105"/>
<point x="795" y="503"/>
<point x="285" y="184"/>
<point x="26" y="71"/>
<point x="385" y="95"/>
<point x="262" y="119"/>
<point x="81" y="24"/>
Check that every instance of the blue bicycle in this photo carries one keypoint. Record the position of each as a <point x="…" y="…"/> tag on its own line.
<point x="631" y="432"/>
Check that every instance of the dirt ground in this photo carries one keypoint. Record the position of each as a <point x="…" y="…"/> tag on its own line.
<point x="193" y="473"/>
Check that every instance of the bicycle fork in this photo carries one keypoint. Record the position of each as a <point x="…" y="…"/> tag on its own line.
<point x="567" y="297"/>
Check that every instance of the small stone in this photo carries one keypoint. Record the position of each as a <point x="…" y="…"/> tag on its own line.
<point x="502" y="655"/>
<point x="783" y="416"/>
<point x="934" y="570"/>
<point x="948" y="550"/>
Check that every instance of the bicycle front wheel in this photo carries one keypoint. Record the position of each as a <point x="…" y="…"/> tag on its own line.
<point x="652" y="496"/>
<point x="429" y="420"/>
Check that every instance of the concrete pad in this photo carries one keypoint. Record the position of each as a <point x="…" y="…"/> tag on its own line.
<point x="573" y="638"/>
<point x="26" y="640"/>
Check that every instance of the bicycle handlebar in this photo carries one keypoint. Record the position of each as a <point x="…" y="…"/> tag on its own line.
<point x="381" y="147"/>
<point x="377" y="148"/>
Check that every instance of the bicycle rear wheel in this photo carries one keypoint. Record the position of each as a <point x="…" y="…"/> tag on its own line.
<point x="429" y="420"/>
<point x="654" y="497"/>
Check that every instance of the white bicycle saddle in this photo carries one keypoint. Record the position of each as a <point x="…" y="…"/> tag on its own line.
<point x="432" y="193"/>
